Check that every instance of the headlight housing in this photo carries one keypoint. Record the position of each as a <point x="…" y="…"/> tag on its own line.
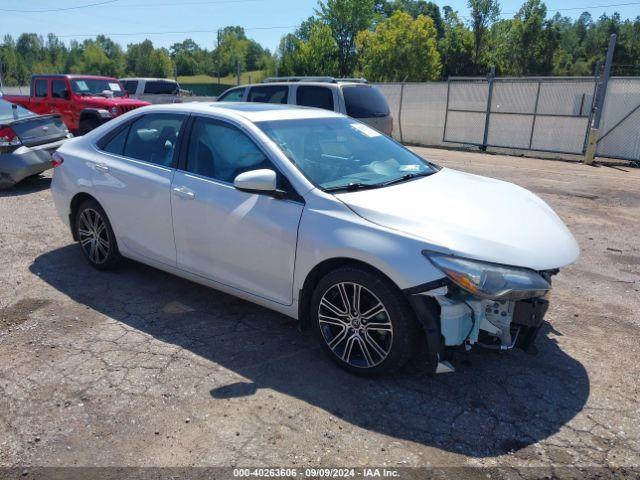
<point x="490" y="280"/>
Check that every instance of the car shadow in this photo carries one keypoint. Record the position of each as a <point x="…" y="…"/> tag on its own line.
<point x="495" y="403"/>
<point x="29" y="185"/>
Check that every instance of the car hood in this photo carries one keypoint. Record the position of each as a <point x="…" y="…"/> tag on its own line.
<point x="471" y="216"/>
<point x="102" y="102"/>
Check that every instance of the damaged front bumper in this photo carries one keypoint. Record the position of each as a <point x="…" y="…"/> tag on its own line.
<point x="453" y="318"/>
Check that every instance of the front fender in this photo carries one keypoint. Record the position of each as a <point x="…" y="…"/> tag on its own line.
<point x="337" y="232"/>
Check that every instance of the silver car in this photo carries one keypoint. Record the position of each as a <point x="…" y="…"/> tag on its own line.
<point x="350" y="96"/>
<point x="26" y="142"/>
<point x="319" y="217"/>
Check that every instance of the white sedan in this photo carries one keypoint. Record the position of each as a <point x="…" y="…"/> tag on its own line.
<point x="319" y="217"/>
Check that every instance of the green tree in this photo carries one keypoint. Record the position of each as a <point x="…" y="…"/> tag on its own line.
<point x="483" y="14"/>
<point x="13" y="71"/>
<point x="319" y="54"/>
<point x="400" y="47"/>
<point x="455" y="46"/>
<point x="415" y="8"/>
<point x="346" y="18"/>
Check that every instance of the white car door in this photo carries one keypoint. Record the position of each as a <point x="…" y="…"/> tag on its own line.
<point x="132" y="179"/>
<point x="243" y="240"/>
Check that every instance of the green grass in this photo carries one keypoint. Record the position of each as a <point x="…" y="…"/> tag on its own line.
<point x="245" y="77"/>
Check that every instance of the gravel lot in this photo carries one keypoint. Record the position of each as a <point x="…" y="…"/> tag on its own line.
<point x="141" y="368"/>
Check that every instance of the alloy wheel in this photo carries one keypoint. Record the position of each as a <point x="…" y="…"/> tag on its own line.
<point x="93" y="235"/>
<point x="355" y="324"/>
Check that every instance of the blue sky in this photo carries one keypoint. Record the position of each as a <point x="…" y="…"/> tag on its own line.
<point x="121" y="18"/>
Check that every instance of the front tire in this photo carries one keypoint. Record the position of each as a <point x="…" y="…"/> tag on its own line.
<point x="96" y="237"/>
<point x="363" y="321"/>
<point x="87" y="125"/>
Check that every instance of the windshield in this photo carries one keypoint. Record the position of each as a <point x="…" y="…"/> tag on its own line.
<point x="344" y="154"/>
<point x="95" y="86"/>
<point x="8" y="113"/>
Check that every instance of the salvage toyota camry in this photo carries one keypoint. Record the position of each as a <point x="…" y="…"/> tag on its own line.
<point x="320" y="217"/>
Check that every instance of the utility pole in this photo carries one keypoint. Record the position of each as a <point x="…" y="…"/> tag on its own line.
<point x="238" y="73"/>
<point x="592" y="143"/>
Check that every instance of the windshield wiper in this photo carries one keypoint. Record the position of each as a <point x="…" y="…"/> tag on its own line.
<point x="404" y="178"/>
<point x="352" y="187"/>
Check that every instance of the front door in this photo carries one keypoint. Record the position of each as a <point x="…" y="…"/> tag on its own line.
<point x="243" y="240"/>
<point x="132" y="177"/>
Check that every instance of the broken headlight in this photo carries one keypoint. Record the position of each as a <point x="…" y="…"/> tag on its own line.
<point x="490" y="280"/>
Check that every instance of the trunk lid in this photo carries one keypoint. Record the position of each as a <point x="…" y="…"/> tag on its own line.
<point x="39" y="129"/>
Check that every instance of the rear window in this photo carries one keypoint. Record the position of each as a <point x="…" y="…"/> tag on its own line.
<point x="363" y="101"/>
<point x="40" y="88"/>
<point x="161" y="87"/>
<point x="269" y="94"/>
<point x="318" y="97"/>
<point x="7" y="111"/>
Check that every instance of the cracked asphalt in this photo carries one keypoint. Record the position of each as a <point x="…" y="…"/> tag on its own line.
<point x="140" y="368"/>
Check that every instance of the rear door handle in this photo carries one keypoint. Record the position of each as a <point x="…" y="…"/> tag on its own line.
<point x="184" y="192"/>
<point x="101" y="167"/>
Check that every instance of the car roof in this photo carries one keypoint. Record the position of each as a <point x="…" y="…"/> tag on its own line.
<point x="254" y="112"/>
<point x="73" y="76"/>
<point x="149" y="79"/>
<point x="315" y="84"/>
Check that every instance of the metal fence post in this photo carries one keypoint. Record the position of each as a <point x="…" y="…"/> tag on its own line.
<point x="592" y="143"/>
<point x="535" y="114"/>
<point x="446" y="111"/>
<point x="400" y="110"/>
<point x="485" y="136"/>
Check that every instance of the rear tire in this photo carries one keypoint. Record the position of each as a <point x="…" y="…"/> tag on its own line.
<point x="363" y="322"/>
<point x="96" y="237"/>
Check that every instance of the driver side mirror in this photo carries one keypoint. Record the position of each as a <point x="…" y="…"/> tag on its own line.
<point x="258" y="181"/>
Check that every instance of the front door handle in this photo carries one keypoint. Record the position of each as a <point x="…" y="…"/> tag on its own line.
<point x="184" y="192"/>
<point x="101" y="167"/>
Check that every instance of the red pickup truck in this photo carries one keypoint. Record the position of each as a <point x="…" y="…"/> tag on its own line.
<point x="83" y="101"/>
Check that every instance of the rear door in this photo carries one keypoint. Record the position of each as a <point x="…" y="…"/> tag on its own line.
<point x="240" y="239"/>
<point x="60" y="100"/>
<point x="40" y="96"/>
<point x="367" y="104"/>
<point x="132" y="178"/>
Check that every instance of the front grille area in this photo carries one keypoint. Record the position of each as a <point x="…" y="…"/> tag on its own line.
<point x="128" y="108"/>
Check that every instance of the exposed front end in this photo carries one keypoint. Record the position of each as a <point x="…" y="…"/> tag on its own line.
<point x="480" y="304"/>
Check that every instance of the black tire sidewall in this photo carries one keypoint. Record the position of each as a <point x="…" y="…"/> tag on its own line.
<point x="406" y="331"/>
<point x="87" y="125"/>
<point x="114" y="255"/>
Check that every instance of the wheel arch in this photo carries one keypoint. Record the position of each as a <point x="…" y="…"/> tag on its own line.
<point x="76" y="201"/>
<point x="316" y="274"/>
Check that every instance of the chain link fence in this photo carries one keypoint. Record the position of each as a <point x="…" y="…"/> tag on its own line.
<point x="546" y="114"/>
<point x="620" y="125"/>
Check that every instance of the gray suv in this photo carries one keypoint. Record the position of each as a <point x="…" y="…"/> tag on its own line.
<point x="351" y="96"/>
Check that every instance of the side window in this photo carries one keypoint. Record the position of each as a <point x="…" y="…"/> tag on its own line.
<point x="40" y="88"/>
<point x="234" y="95"/>
<point x="363" y="101"/>
<point x="115" y="144"/>
<point x="131" y="86"/>
<point x="318" y="97"/>
<point x="59" y="89"/>
<point x="222" y="152"/>
<point x="269" y="94"/>
<point x="160" y="87"/>
<point x="153" y="138"/>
